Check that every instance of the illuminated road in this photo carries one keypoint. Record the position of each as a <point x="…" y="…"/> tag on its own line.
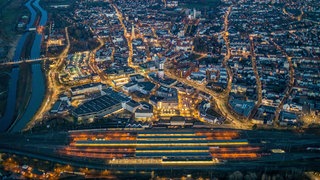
<point x="220" y="99"/>
<point x="92" y="63"/>
<point x="290" y="84"/>
<point x="256" y="74"/>
<point x="128" y="37"/>
<point x="228" y="55"/>
<point x="53" y="87"/>
<point x="298" y="18"/>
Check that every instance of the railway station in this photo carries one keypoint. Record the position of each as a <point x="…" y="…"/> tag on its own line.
<point x="163" y="147"/>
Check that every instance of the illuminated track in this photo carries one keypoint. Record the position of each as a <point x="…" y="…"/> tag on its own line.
<point x="235" y="155"/>
<point x="160" y="147"/>
<point x="256" y="153"/>
<point x="101" y="150"/>
<point x="234" y="149"/>
<point x="157" y="143"/>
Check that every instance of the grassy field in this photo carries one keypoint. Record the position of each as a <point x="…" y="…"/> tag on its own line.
<point x="3" y="90"/>
<point x="24" y="88"/>
<point x="25" y="77"/>
<point x="10" y="13"/>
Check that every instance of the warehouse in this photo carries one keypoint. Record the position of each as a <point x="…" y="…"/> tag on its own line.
<point x="96" y="108"/>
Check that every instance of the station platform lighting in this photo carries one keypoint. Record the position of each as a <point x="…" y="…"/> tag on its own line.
<point x="164" y="148"/>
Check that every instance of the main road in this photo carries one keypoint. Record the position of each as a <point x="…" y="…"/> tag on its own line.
<point x="289" y="85"/>
<point x="256" y="74"/>
<point x="225" y="34"/>
<point x="128" y="37"/>
<point x="53" y="87"/>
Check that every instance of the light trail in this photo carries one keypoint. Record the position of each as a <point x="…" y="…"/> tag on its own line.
<point x="235" y="149"/>
<point x="92" y="155"/>
<point x="101" y="150"/>
<point x="144" y="147"/>
<point x="235" y="155"/>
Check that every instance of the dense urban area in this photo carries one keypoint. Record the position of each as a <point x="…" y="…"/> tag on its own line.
<point x="155" y="89"/>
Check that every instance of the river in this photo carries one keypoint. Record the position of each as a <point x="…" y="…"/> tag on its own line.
<point x="38" y="84"/>
<point x="7" y="118"/>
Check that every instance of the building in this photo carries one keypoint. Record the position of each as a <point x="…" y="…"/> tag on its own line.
<point x="143" y="87"/>
<point x="288" y="118"/>
<point x="132" y="106"/>
<point x="177" y="121"/>
<point x="166" y="92"/>
<point x="144" y="113"/>
<point x="166" y="100"/>
<point x="242" y="107"/>
<point x="120" y="81"/>
<point x="98" y="107"/>
<point x="137" y="77"/>
<point x="87" y="88"/>
<point x="56" y="107"/>
<point x="168" y="104"/>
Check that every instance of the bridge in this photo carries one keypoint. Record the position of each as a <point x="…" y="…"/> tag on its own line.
<point x="27" y="61"/>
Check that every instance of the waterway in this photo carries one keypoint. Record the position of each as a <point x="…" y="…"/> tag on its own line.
<point x="7" y="118"/>
<point x="38" y="84"/>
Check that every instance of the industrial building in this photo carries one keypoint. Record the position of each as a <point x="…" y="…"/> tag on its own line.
<point x="98" y="107"/>
<point x="87" y="88"/>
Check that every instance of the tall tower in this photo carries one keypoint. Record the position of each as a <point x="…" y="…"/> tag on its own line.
<point x="194" y="13"/>
<point x="132" y="31"/>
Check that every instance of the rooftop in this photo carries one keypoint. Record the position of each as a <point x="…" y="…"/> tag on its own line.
<point x="96" y="105"/>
